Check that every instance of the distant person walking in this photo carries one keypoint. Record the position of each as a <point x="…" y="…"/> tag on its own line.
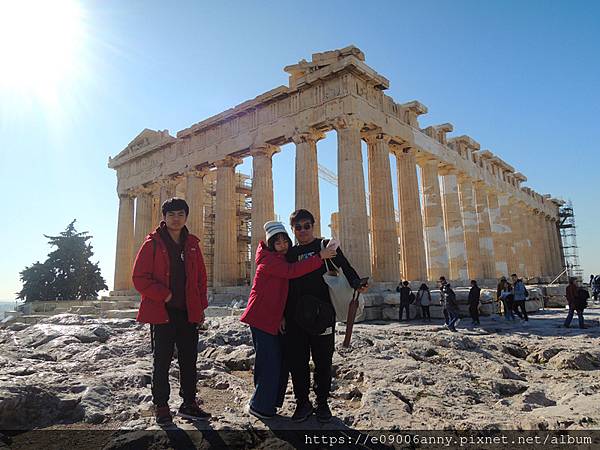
<point x="451" y="306"/>
<point x="424" y="300"/>
<point x="577" y="302"/>
<point x="406" y="298"/>
<point x="474" y="296"/>
<point x="441" y="284"/>
<point x="504" y="294"/>
<point x="520" y="294"/>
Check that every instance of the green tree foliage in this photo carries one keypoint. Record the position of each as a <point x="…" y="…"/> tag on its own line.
<point x="67" y="274"/>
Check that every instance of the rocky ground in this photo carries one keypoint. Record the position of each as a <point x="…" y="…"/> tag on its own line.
<point x="71" y="371"/>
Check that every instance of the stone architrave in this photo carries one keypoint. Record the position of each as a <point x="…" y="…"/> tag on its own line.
<point x="433" y="220"/>
<point x="453" y="224"/>
<point x="124" y="254"/>
<point x="498" y="235"/>
<point x="484" y="229"/>
<point x="143" y="218"/>
<point x="353" y="220"/>
<point x="412" y="244"/>
<point x="470" y="225"/>
<point x="225" y="265"/>
<point x="307" y="175"/>
<point x="263" y="208"/>
<point x="195" y="194"/>
<point x="384" y="237"/>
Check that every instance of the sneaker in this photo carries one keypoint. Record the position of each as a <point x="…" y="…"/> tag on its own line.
<point x="303" y="411"/>
<point x="255" y="413"/>
<point x="163" y="416"/>
<point x="457" y="322"/>
<point x="192" y="411"/>
<point x="323" y="413"/>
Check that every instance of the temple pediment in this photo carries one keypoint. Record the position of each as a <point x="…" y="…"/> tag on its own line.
<point x="142" y="143"/>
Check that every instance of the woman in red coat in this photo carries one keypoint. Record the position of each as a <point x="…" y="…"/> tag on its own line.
<point x="264" y="312"/>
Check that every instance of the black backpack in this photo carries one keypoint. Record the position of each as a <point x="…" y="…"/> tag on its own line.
<point x="581" y="299"/>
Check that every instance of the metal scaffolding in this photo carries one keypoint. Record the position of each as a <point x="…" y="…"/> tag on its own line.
<point x="568" y="237"/>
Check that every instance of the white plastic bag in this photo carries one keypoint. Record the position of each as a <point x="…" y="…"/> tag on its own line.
<point x="340" y="291"/>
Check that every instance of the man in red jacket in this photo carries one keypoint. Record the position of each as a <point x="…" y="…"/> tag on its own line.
<point x="170" y="275"/>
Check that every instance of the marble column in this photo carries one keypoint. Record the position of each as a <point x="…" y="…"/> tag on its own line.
<point x="143" y="218"/>
<point x="225" y="266"/>
<point x="412" y="244"/>
<point x="505" y="228"/>
<point x="533" y="228"/>
<point x="307" y="175"/>
<point x="453" y="224"/>
<point x="547" y="246"/>
<point x="525" y="241"/>
<point x="498" y="234"/>
<point x="559" y="258"/>
<point x="484" y="230"/>
<point x="513" y="239"/>
<point x="352" y="204"/>
<point x="124" y="254"/>
<point x="384" y="236"/>
<point x="433" y="221"/>
<point x="263" y="208"/>
<point x="165" y="192"/>
<point x="470" y="225"/>
<point x="195" y="193"/>
<point x="552" y="247"/>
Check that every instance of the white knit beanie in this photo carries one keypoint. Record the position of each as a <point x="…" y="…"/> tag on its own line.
<point x="272" y="228"/>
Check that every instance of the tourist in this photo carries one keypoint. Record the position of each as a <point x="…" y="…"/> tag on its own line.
<point x="574" y="300"/>
<point x="424" y="300"/>
<point x="169" y="274"/>
<point x="302" y="339"/>
<point x="451" y="306"/>
<point x="264" y="314"/>
<point x="520" y="294"/>
<point x="406" y="297"/>
<point x="504" y="295"/>
<point x="474" y="295"/>
<point x="441" y="283"/>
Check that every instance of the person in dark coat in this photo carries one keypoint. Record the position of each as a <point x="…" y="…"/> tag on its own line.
<point x="451" y="306"/>
<point x="406" y="296"/>
<point x="474" y="295"/>
<point x="575" y="303"/>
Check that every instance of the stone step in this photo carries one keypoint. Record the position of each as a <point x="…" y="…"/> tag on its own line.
<point x="84" y="309"/>
<point x="120" y="313"/>
<point x="105" y="305"/>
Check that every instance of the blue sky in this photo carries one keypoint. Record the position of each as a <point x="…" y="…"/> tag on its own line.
<point x="521" y="78"/>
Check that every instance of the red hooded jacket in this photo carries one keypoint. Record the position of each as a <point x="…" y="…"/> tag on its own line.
<point x="151" y="279"/>
<point x="270" y="287"/>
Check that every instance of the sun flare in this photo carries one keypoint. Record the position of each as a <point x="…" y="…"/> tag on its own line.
<point x="40" y="46"/>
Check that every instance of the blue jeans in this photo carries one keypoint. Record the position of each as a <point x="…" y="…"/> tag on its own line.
<point x="508" y="309"/>
<point x="570" y="317"/>
<point x="267" y="371"/>
<point x="452" y="319"/>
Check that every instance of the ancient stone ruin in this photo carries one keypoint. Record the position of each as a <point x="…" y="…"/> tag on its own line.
<point x="470" y="218"/>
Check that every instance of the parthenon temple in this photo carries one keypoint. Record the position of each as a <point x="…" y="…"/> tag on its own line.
<point x="462" y="212"/>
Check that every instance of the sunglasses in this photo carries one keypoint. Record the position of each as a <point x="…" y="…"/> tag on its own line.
<point x="306" y="226"/>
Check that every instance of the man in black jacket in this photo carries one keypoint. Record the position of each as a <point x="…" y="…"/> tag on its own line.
<point x="300" y="343"/>
<point x="474" y="295"/>
<point x="406" y="297"/>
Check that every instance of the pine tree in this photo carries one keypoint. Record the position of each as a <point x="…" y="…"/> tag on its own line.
<point x="67" y="274"/>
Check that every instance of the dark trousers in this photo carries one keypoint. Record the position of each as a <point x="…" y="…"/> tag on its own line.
<point x="474" y="312"/>
<point x="267" y="371"/>
<point x="570" y="317"/>
<point x="404" y="306"/>
<point x="426" y="313"/>
<point x="299" y="346"/>
<point x="178" y="332"/>
<point x="520" y="305"/>
<point x="446" y="316"/>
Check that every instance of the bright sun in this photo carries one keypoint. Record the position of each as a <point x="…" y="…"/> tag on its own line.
<point x="40" y="46"/>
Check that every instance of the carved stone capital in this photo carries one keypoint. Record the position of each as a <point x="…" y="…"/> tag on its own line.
<point x="301" y="137"/>
<point x="374" y="136"/>
<point x="347" y="121"/>
<point x="266" y="150"/>
<point x="228" y="161"/>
